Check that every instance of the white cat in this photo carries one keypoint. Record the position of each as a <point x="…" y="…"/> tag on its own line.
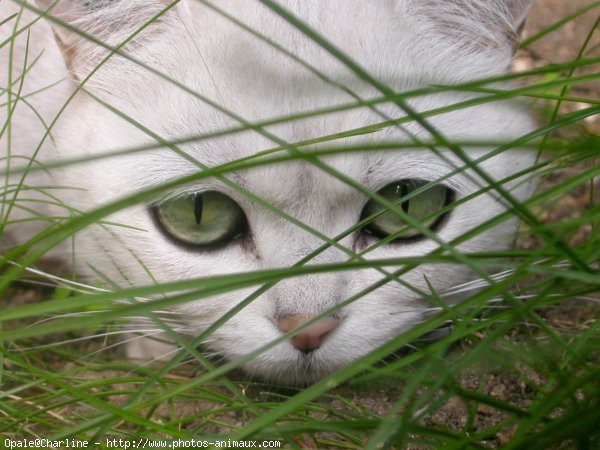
<point x="191" y="52"/>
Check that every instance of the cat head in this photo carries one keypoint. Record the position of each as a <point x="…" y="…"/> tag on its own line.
<point x="157" y="72"/>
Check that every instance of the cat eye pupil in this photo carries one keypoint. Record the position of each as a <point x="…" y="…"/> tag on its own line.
<point x="198" y="208"/>
<point x="404" y="193"/>
<point x="205" y="219"/>
<point x="423" y="207"/>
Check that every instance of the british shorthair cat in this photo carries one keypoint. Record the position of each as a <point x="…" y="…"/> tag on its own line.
<point x="194" y="85"/>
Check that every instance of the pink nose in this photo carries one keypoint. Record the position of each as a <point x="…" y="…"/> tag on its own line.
<point x="310" y="338"/>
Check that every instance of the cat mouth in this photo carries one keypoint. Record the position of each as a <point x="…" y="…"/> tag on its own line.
<point x="301" y="369"/>
<point x="307" y="368"/>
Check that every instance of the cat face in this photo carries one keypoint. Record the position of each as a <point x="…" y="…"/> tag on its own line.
<point x="193" y="72"/>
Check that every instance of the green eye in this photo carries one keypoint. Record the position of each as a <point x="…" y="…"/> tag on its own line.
<point x="422" y="208"/>
<point x="203" y="219"/>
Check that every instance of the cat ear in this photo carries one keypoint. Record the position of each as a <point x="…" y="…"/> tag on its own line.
<point x="519" y="10"/>
<point x="479" y="26"/>
<point x="80" y="25"/>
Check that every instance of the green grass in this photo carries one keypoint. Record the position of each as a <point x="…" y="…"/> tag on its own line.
<point x="518" y="367"/>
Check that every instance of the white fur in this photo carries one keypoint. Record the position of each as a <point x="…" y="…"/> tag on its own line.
<point x="404" y="43"/>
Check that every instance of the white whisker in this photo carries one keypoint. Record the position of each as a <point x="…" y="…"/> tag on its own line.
<point x="122" y="342"/>
<point x="80" y="339"/>
<point x="56" y="278"/>
<point x="480" y="283"/>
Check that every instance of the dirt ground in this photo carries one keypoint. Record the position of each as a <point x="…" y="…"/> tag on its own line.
<point x="564" y="44"/>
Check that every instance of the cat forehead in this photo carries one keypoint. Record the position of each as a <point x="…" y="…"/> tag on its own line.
<point x="426" y="40"/>
<point x="228" y="47"/>
<point x="252" y="62"/>
<point x="252" y="32"/>
<point x="275" y="69"/>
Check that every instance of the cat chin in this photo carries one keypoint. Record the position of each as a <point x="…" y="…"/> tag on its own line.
<point x="282" y="364"/>
<point x="293" y="368"/>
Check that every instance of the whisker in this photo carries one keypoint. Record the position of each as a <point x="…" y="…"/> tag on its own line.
<point x="56" y="278"/>
<point x="498" y="276"/>
<point x="121" y="342"/>
<point x="161" y="357"/>
<point x="74" y="340"/>
<point x="65" y="316"/>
